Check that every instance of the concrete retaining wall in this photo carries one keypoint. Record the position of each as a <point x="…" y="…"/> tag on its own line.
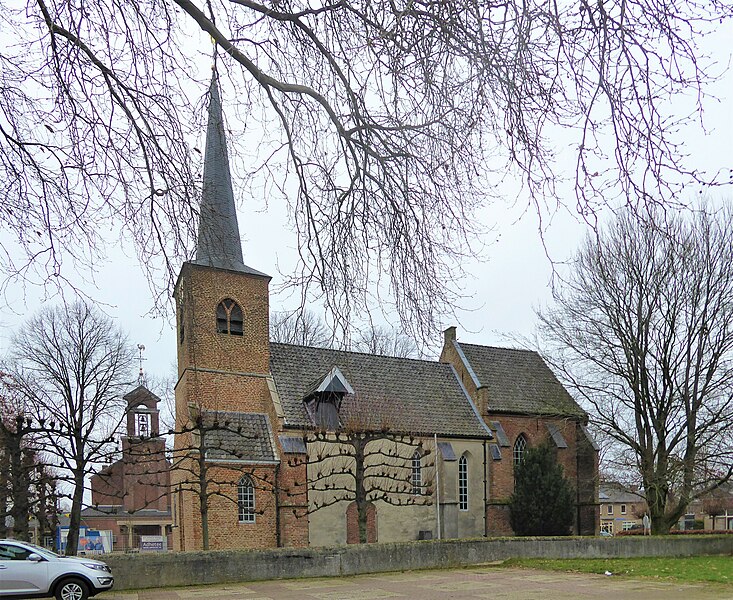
<point x="136" y="571"/>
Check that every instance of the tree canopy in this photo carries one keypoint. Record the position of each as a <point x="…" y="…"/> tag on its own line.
<point x="384" y="126"/>
<point x="642" y="331"/>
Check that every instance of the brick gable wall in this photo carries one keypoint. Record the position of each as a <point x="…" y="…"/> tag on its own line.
<point x="579" y="460"/>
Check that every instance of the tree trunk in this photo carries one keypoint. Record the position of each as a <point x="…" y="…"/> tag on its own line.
<point x="361" y="496"/>
<point x="20" y="484"/>
<point x="203" y="496"/>
<point x="72" y="540"/>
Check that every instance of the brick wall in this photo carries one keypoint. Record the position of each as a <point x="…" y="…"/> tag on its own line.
<point x="352" y="524"/>
<point x="293" y="500"/>
<point x="501" y="473"/>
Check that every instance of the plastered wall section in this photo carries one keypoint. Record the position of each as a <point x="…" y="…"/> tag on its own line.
<point x="404" y="522"/>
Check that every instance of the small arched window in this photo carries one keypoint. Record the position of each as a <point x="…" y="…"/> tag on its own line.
<point x="229" y="318"/>
<point x="519" y="447"/>
<point x="246" y="500"/>
<point x="416" y="475"/>
<point x="463" y="483"/>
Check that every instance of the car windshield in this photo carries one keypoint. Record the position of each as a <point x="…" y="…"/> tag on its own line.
<point x="43" y="551"/>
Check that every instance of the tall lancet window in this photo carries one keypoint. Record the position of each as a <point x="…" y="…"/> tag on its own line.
<point x="463" y="483"/>
<point x="229" y="319"/>
<point x="416" y="475"/>
<point x="246" y="499"/>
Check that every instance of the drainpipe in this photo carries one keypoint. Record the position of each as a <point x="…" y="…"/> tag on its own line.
<point x="277" y="507"/>
<point x="486" y="493"/>
<point x="437" y="485"/>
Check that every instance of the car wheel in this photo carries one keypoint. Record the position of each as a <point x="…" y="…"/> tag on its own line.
<point x="72" y="589"/>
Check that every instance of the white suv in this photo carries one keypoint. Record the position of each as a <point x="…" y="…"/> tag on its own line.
<point x="29" y="571"/>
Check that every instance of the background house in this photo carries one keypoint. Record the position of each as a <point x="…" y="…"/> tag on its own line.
<point x="714" y="510"/>
<point x="621" y="509"/>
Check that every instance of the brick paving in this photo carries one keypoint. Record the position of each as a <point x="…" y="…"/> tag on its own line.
<point x="480" y="583"/>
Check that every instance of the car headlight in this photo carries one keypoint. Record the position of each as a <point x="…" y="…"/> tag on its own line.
<point x="95" y="566"/>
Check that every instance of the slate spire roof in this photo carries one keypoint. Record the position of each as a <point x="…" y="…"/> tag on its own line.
<point x="218" y="243"/>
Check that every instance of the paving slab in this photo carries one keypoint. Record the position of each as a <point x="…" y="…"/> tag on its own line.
<point x="482" y="583"/>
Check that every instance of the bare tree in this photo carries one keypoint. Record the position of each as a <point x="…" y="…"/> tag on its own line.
<point x="72" y="365"/>
<point x="304" y="328"/>
<point x="392" y="121"/>
<point x="363" y="460"/>
<point x="388" y="342"/>
<point x="643" y="331"/>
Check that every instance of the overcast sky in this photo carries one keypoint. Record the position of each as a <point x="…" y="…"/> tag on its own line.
<point x="500" y="292"/>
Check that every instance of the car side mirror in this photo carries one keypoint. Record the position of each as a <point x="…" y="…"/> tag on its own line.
<point x="34" y="557"/>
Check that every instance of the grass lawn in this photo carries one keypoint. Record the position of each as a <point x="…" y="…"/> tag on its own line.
<point x="718" y="569"/>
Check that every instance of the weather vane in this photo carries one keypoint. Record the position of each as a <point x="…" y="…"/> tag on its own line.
<point x="141" y="375"/>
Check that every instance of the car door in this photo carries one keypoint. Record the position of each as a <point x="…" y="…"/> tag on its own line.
<point x="18" y="575"/>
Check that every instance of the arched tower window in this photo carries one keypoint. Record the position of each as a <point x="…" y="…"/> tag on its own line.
<point x="229" y="318"/>
<point x="246" y="500"/>
<point x="463" y="483"/>
<point x="416" y="475"/>
<point x="519" y="447"/>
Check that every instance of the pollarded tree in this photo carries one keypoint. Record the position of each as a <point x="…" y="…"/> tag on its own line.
<point x="28" y="486"/>
<point x="543" y="499"/>
<point x="355" y="455"/>
<point x="72" y="366"/>
<point x="386" y="125"/>
<point x="642" y="330"/>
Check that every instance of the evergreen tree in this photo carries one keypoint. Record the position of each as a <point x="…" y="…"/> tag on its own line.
<point x="542" y="502"/>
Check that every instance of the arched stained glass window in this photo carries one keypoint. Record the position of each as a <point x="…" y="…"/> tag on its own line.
<point x="246" y="500"/>
<point x="229" y="318"/>
<point x="519" y="447"/>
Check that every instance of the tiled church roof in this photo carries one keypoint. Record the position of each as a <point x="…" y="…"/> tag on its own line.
<point x="518" y="381"/>
<point x="405" y="395"/>
<point x="236" y="436"/>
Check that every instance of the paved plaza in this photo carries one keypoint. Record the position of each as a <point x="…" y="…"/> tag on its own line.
<point x="485" y="583"/>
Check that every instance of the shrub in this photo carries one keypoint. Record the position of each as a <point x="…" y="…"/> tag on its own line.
<point x="542" y="502"/>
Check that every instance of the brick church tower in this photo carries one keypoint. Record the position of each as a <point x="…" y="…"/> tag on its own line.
<point x="222" y="309"/>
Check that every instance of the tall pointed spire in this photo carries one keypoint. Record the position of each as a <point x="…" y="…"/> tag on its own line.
<point x="218" y="242"/>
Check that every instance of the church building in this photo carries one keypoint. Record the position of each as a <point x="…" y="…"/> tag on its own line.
<point x="284" y="445"/>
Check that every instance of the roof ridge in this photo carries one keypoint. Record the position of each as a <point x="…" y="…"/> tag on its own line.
<point x="357" y="353"/>
<point x="528" y="350"/>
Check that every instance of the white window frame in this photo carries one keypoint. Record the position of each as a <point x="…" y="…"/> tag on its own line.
<point x="246" y="500"/>
<point x="416" y="474"/>
<point x="463" y="483"/>
<point x="520" y="446"/>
